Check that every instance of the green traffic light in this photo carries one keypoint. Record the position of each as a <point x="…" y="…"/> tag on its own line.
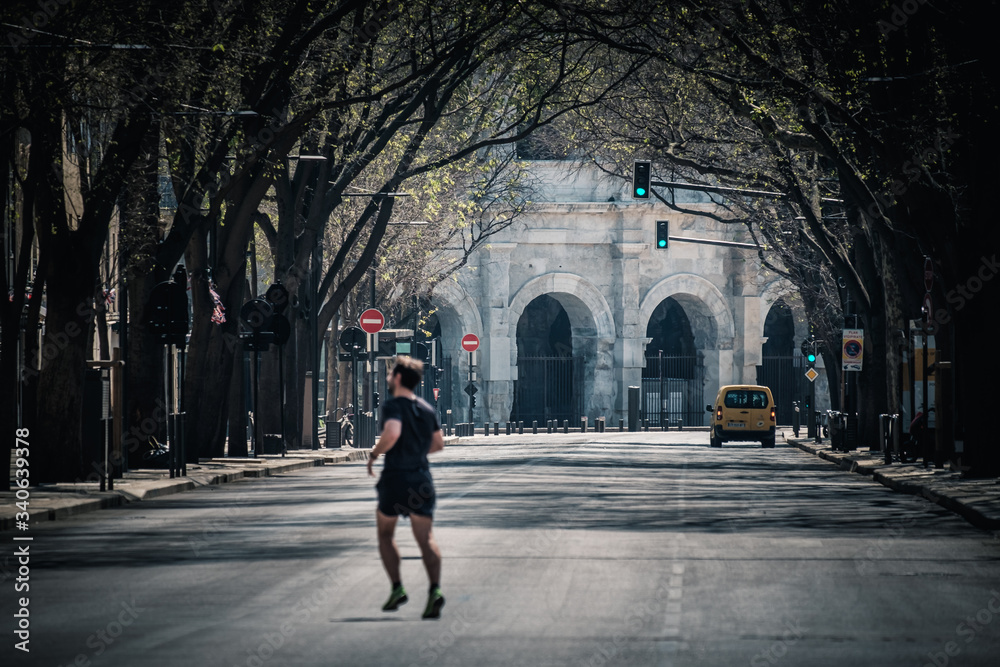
<point x="640" y="191"/>
<point x="811" y="358"/>
<point x="662" y="243"/>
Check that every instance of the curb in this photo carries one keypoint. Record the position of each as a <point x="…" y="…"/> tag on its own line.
<point x="882" y="473"/>
<point x="82" y="501"/>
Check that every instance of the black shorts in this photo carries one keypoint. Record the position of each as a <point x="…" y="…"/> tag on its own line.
<point x="405" y="492"/>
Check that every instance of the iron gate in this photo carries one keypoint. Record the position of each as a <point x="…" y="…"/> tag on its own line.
<point x="548" y="388"/>
<point x="785" y="376"/>
<point x="672" y="389"/>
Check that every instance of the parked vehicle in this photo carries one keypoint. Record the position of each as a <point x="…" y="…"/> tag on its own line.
<point x="743" y="412"/>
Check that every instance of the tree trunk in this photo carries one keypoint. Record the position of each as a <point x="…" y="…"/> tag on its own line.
<point x="236" y="429"/>
<point x="211" y="355"/>
<point x="57" y="436"/>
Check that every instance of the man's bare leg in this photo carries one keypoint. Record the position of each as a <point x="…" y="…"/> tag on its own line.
<point x="423" y="532"/>
<point x="386" y="526"/>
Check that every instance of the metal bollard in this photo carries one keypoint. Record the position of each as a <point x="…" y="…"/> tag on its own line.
<point x="508" y="428"/>
<point x="565" y="426"/>
<point x="621" y="425"/>
<point x="645" y="424"/>
<point x="819" y="427"/>
<point x="496" y="428"/>
<point x="534" y="427"/>
<point x="583" y="424"/>
<point x="548" y="426"/>
<point x="795" y="418"/>
<point x="633" y="409"/>
<point x="884" y="424"/>
<point x="680" y="423"/>
<point x="520" y="427"/>
<point x="486" y="428"/>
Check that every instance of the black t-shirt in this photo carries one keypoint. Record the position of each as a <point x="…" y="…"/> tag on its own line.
<point x="419" y="424"/>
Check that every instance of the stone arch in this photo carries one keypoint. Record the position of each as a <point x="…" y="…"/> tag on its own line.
<point x="586" y="302"/>
<point x="458" y="315"/>
<point x="703" y="298"/>
<point x="782" y="289"/>
<point x="593" y="328"/>
<point x="711" y="319"/>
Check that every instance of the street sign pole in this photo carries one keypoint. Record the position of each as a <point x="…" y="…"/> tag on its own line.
<point x="371" y="322"/>
<point x="470" y="343"/>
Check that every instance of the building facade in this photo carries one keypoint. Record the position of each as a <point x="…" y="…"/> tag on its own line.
<point x="573" y="304"/>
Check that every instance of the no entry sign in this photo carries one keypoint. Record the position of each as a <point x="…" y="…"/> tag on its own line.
<point x="470" y="342"/>
<point x="372" y="321"/>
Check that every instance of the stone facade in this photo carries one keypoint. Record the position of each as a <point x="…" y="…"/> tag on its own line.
<point x="588" y="245"/>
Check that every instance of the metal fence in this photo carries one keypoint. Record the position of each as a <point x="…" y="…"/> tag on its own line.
<point x="672" y="390"/>
<point x="785" y="377"/>
<point x="548" y="388"/>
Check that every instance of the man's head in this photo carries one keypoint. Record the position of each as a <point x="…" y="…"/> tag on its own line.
<point x="406" y="372"/>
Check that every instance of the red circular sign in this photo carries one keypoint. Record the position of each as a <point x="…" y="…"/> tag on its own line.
<point x="470" y="342"/>
<point x="372" y="321"/>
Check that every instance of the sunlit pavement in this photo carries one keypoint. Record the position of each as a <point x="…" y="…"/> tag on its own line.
<point x="595" y="549"/>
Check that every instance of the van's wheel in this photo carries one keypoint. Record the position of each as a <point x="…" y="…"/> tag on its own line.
<point x="714" y="442"/>
<point x="767" y="442"/>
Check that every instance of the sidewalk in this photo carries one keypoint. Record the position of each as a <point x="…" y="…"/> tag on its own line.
<point x="57" y="501"/>
<point x="975" y="500"/>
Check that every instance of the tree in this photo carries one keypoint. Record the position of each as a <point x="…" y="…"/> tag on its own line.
<point x="469" y="79"/>
<point x="890" y="105"/>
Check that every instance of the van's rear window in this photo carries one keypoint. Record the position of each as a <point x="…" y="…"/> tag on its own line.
<point x="745" y="398"/>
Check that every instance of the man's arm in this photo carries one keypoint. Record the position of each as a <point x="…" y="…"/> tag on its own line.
<point x="437" y="442"/>
<point x="390" y="434"/>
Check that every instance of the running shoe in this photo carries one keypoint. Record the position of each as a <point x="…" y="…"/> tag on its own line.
<point x="434" y="603"/>
<point x="396" y="598"/>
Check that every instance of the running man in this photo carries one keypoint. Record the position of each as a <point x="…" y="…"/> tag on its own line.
<point x="410" y="431"/>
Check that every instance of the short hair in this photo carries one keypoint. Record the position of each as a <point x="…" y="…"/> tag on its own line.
<point x="409" y="370"/>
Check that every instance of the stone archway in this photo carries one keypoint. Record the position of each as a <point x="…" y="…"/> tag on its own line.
<point x="592" y="330"/>
<point x="711" y="322"/>
<point x="457" y="315"/>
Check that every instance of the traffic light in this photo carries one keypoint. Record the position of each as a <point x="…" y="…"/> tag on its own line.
<point x="472" y="401"/>
<point x="808" y="349"/>
<point x="662" y="231"/>
<point x="640" y="179"/>
<point x="375" y="399"/>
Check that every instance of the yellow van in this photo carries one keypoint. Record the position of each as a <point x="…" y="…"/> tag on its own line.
<point x="743" y="412"/>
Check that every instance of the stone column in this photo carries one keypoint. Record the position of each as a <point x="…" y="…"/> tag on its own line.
<point x="497" y="372"/>
<point x="630" y="346"/>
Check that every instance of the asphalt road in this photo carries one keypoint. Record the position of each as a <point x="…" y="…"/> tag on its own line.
<point x="612" y="549"/>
